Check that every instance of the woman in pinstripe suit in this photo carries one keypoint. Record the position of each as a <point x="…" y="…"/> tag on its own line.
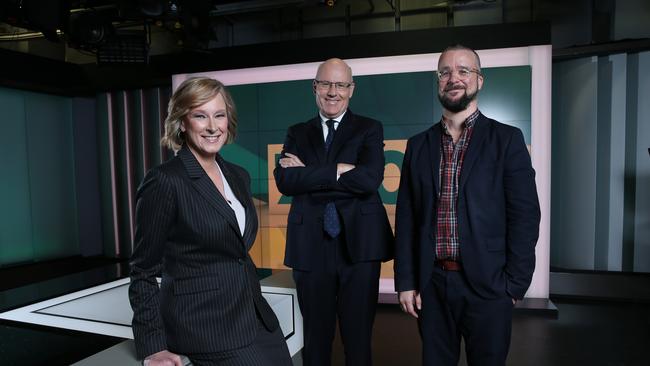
<point x="195" y="222"/>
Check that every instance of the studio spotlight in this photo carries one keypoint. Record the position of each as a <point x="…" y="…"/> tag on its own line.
<point x="87" y="30"/>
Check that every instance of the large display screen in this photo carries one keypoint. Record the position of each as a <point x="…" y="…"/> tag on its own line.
<point x="399" y="91"/>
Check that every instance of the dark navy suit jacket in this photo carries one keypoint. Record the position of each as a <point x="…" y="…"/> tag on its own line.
<point x="498" y="211"/>
<point x="185" y="230"/>
<point x="360" y="141"/>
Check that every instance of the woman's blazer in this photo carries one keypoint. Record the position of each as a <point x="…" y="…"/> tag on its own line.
<point x="187" y="233"/>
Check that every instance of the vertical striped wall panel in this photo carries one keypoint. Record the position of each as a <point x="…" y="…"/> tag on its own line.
<point x="129" y="128"/>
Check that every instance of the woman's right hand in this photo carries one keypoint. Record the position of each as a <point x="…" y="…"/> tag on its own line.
<point x="163" y="358"/>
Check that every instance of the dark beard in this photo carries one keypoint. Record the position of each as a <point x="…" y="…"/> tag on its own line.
<point x="459" y="105"/>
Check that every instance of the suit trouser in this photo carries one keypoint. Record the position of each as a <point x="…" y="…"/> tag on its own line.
<point x="267" y="349"/>
<point x="337" y="287"/>
<point x="451" y="309"/>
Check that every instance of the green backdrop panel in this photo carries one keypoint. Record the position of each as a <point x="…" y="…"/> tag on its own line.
<point x="15" y="216"/>
<point x="284" y="104"/>
<point x="395" y="99"/>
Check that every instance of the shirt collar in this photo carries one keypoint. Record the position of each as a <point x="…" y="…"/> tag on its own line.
<point x="469" y="122"/>
<point x="336" y="120"/>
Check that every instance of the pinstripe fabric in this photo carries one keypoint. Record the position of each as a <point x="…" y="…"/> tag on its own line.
<point x="186" y="231"/>
<point x="264" y="351"/>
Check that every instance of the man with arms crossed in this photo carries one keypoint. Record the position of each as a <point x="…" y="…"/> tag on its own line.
<point x="338" y="231"/>
<point x="467" y="223"/>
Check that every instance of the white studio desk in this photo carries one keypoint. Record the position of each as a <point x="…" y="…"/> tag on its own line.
<point x="105" y="309"/>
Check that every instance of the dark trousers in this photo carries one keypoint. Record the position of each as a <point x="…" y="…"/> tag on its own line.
<point x="337" y="287"/>
<point x="451" y="310"/>
<point x="268" y="349"/>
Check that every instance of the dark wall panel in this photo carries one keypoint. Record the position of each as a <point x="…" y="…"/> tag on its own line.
<point x="87" y="176"/>
<point x="50" y="153"/>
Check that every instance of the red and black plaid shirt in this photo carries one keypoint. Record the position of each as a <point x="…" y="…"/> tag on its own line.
<point x="451" y="164"/>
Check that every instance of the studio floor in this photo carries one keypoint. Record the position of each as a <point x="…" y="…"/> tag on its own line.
<point x="586" y="332"/>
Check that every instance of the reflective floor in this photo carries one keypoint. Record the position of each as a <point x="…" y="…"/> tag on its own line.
<point x="585" y="333"/>
<point x="25" y="344"/>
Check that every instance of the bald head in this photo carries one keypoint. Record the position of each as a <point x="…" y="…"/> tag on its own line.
<point x="334" y="64"/>
<point x="333" y="87"/>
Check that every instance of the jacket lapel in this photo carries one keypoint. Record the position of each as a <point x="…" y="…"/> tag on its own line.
<point x="237" y="184"/>
<point x="202" y="183"/>
<point x="343" y="133"/>
<point x="433" y="142"/>
<point x="472" y="154"/>
<point x="315" y="137"/>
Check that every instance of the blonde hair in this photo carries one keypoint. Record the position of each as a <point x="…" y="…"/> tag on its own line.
<point x="193" y="93"/>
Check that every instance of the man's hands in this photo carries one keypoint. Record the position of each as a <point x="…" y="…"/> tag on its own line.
<point x="291" y="161"/>
<point x="163" y="358"/>
<point x="410" y="302"/>
<point x="343" y="168"/>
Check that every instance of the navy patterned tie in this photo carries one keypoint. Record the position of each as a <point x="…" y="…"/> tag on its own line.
<point x="331" y="223"/>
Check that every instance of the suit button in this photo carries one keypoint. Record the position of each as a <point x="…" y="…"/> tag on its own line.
<point x="240" y="260"/>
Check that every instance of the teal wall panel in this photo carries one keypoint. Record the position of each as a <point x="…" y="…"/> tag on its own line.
<point x="246" y="152"/>
<point x="15" y="216"/>
<point x="396" y="99"/>
<point x="245" y="97"/>
<point x="283" y="104"/>
<point x="52" y="182"/>
<point x="39" y="216"/>
<point x="505" y="96"/>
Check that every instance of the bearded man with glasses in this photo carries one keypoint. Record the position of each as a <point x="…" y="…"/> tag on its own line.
<point x="338" y="231"/>
<point x="467" y="221"/>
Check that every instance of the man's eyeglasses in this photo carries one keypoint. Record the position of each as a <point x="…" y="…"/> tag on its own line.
<point x="463" y="73"/>
<point x="325" y="85"/>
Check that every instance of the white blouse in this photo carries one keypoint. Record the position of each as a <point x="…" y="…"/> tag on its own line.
<point x="240" y="211"/>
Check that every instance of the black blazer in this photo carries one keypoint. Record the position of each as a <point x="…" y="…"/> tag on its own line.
<point x="186" y="231"/>
<point x="498" y="211"/>
<point x="360" y="141"/>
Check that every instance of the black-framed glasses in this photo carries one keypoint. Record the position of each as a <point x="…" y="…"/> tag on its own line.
<point x="325" y="85"/>
<point x="463" y="73"/>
